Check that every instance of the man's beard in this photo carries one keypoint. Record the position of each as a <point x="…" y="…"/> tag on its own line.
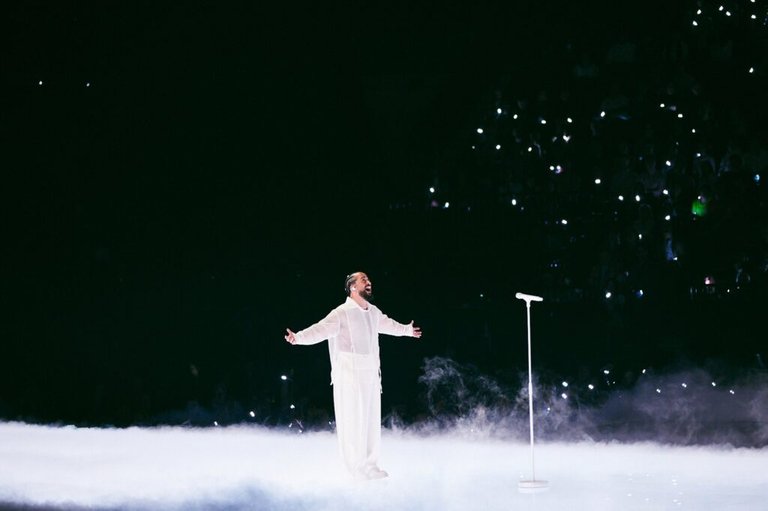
<point x="366" y="295"/>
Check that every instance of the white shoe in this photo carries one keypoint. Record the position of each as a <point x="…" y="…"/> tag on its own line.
<point x="374" y="472"/>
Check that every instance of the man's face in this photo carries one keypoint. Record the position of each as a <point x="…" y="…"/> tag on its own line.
<point x="364" y="286"/>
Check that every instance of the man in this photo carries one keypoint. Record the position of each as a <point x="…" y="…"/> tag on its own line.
<point x="352" y="330"/>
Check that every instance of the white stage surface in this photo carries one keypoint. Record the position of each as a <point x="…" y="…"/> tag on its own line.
<point x="255" y="468"/>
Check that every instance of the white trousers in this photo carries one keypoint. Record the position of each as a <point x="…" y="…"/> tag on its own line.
<point x="357" y="406"/>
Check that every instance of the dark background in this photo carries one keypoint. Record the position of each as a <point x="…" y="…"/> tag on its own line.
<point x="192" y="178"/>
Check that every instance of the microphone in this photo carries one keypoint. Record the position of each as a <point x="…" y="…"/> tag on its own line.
<point x="528" y="298"/>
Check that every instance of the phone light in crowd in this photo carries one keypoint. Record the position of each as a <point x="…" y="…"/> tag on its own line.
<point x="662" y="105"/>
<point x="480" y="131"/>
<point x="530" y="149"/>
<point x="698" y="12"/>
<point x="751" y="70"/>
<point x="40" y="82"/>
<point x="283" y="377"/>
<point x="564" y="395"/>
<point x="658" y="391"/>
<point x="514" y="202"/>
<point x="598" y="181"/>
<point x="694" y="23"/>
<point x="591" y="387"/>
<point x="608" y="295"/>
<point x="693" y="130"/>
<point x="252" y="414"/>
<point x="637" y="198"/>
<point x="669" y="163"/>
<point x="679" y="116"/>
<point x="665" y="191"/>
<point x="602" y="114"/>
<point x="708" y="281"/>
<point x="684" y="385"/>
<point x="621" y="198"/>
<point x="757" y="178"/>
<point x="606" y="372"/>
<point x="699" y="207"/>
<point x="640" y="236"/>
<point x="714" y="384"/>
<point x="720" y="8"/>
<point x="667" y="218"/>
<point x="566" y="138"/>
<point x="570" y="121"/>
<point x="754" y="16"/>
<point x="564" y="221"/>
<point x="514" y="117"/>
<point x="446" y="205"/>
<point x="498" y="146"/>
<point x="431" y="189"/>
<point x="293" y="407"/>
<point x="565" y="384"/>
<point x="498" y="111"/>
<point x="640" y="293"/>
<point x="543" y="121"/>
<point x="727" y="13"/>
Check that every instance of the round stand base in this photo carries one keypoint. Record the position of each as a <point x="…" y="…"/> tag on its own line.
<point x="536" y="486"/>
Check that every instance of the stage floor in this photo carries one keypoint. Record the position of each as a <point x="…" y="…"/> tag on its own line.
<point x="254" y="468"/>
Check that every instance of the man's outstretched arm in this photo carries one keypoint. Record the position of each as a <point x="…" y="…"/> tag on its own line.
<point x="320" y="331"/>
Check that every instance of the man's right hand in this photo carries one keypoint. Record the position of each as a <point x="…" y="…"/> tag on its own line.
<point x="290" y="337"/>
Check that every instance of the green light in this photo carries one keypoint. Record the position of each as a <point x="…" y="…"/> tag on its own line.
<point x="699" y="207"/>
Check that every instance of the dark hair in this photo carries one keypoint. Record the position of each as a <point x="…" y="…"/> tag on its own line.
<point x="348" y="281"/>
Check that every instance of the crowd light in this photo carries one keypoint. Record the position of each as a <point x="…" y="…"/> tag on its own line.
<point x="570" y="121"/>
<point x="667" y="218"/>
<point x="514" y="202"/>
<point x="480" y="131"/>
<point x="498" y="111"/>
<point x="621" y="198"/>
<point x="283" y="377"/>
<point x="514" y="116"/>
<point x="598" y="181"/>
<point x="543" y="121"/>
<point x="637" y="198"/>
<point x="608" y="294"/>
<point x="602" y="114"/>
<point x="498" y="146"/>
<point x="695" y="24"/>
<point x="431" y="189"/>
<point x="751" y="70"/>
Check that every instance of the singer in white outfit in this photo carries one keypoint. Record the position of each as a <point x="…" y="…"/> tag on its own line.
<point x="352" y="330"/>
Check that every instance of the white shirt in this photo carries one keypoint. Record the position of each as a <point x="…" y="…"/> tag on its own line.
<point x="350" y="328"/>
